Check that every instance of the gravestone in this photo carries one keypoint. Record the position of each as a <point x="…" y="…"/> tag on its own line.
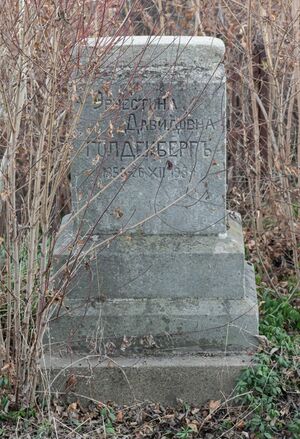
<point x="164" y="132"/>
<point x="163" y="286"/>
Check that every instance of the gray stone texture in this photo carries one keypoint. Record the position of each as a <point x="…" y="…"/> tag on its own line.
<point x="178" y="282"/>
<point x="194" y="305"/>
<point x="192" y="378"/>
<point x="160" y="266"/>
<point x="164" y="128"/>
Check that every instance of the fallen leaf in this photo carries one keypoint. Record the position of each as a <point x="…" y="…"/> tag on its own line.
<point x="213" y="405"/>
<point x="72" y="407"/>
<point x="193" y="427"/>
<point x="120" y="416"/>
<point x="240" y="425"/>
<point x="70" y="383"/>
<point x="126" y="342"/>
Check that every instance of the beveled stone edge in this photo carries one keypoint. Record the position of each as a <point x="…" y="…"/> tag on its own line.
<point x="232" y="237"/>
<point x="162" y="40"/>
<point x="191" y="377"/>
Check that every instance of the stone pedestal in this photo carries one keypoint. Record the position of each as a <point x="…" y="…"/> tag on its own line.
<point x="163" y="289"/>
<point x="159" y="292"/>
<point x="193" y="378"/>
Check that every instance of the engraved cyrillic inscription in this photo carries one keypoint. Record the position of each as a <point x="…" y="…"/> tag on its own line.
<point x="131" y="150"/>
<point x="152" y="141"/>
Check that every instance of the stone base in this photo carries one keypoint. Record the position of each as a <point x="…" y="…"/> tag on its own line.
<point x="158" y="266"/>
<point x="177" y="317"/>
<point x="193" y="378"/>
<point x="105" y="312"/>
<point x="153" y="325"/>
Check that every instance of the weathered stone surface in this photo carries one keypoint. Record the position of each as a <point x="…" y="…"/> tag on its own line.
<point x="159" y="324"/>
<point x="192" y="378"/>
<point x="177" y="266"/>
<point x="178" y="282"/>
<point x="163" y="128"/>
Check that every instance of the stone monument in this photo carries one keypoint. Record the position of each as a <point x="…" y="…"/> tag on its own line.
<point x="163" y="292"/>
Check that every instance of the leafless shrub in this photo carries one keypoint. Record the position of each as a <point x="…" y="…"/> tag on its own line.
<point x="262" y="62"/>
<point x="40" y="48"/>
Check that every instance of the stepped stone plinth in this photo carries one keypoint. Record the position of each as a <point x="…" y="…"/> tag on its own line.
<point x="162" y="288"/>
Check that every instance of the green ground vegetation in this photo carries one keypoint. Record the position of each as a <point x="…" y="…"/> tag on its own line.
<point x="266" y="404"/>
<point x="271" y="387"/>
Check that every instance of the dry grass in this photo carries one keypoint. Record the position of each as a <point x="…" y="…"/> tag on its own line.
<point x="39" y="70"/>
<point x="263" y="70"/>
<point x="40" y="51"/>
